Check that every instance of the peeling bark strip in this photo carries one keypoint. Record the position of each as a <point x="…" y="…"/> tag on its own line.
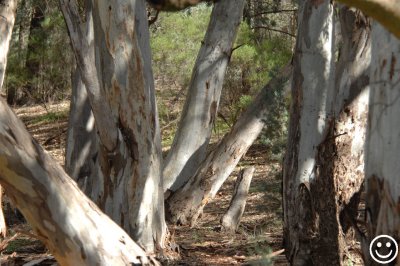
<point x="323" y="168"/>
<point x="187" y="203"/>
<point x="194" y="130"/>
<point x="382" y="150"/>
<point x="231" y="219"/>
<point x="71" y="226"/>
<point x="113" y="54"/>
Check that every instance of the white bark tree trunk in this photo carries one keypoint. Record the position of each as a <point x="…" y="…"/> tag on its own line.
<point x="231" y="219"/>
<point x="197" y="120"/>
<point x="70" y="225"/>
<point x="382" y="148"/>
<point x="323" y="168"/>
<point x="118" y="76"/>
<point x="187" y="203"/>
<point x="7" y="19"/>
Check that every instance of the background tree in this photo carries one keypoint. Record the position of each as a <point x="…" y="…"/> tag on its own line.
<point x="198" y="116"/>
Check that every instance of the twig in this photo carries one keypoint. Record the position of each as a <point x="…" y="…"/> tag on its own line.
<point x="4" y="243"/>
<point x="275" y="253"/>
<point x="274" y="12"/>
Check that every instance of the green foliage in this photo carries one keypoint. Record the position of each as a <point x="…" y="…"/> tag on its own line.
<point x="50" y="117"/>
<point x="39" y="68"/>
<point x="175" y="41"/>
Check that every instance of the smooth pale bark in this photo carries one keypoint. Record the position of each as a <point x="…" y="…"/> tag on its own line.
<point x="313" y="76"/>
<point x="323" y="168"/>
<point x="70" y="225"/>
<point x="7" y="19"/>
<point x="115" y="61"/>
<point x="386" y="12"/>
<point x="174" y="5"/>
<point x="197" y="120"/>
<point x="382" y="149"/>
<point x="81" y="146"/>
<point x="231" y="219"/>
<point x="187" y="203"/>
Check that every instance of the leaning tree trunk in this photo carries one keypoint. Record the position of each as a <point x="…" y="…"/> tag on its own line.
<point x="118" y="76"/>
<point x="323" y="168"/>
<point x="7" y="19"/>
<point x="382" y="149"/>
<point x="71" y="226"/>
<point x="194" y="130"/>
<point x="187" y="203"/>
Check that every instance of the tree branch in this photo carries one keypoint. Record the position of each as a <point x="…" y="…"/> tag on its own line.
<point x="386" y="12"/>
<point x="274" y="12"/>
<point x="174" y="5"/>
<point x="277" y="30"/>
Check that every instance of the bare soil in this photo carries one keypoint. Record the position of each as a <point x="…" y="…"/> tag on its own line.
<point x="258" y="240"/>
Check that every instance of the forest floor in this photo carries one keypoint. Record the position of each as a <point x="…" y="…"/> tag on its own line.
<point x="258" y="241"/>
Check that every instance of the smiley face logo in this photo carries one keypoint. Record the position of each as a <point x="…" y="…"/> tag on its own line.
<point x="383" y="249"/>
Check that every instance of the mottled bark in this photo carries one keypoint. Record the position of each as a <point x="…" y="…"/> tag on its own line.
<point x="7" y="19"/>
<point x="231" y="219"/>
<point x="386" y="12"/>
<point x="194" y="130"/>
<point x="323" y="168"/>
<point x="187" y="203"/>
<point x="115" y="62"/>
<point x="70" y="225"/>
<point x="382" y="149"/>
<point x="81" y="146"/>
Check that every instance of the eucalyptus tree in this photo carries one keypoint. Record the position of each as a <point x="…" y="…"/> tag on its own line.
<point x="198" y="115"/>
<point x="323" y="167"/>
<point x="113" y="55"/>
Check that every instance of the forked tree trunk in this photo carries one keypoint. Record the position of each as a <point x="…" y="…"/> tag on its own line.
<point x="71" y="226"/>
<point x="81" y="146"/>
<point x="323" y="168"/>
<point x="187" y="203"/>
<point x="194" y="130"/>
<point x="7" y="19"/>
<point x="118" y="76"/>
<point x="382" y="150"/>
<point x="231" y="219"/>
